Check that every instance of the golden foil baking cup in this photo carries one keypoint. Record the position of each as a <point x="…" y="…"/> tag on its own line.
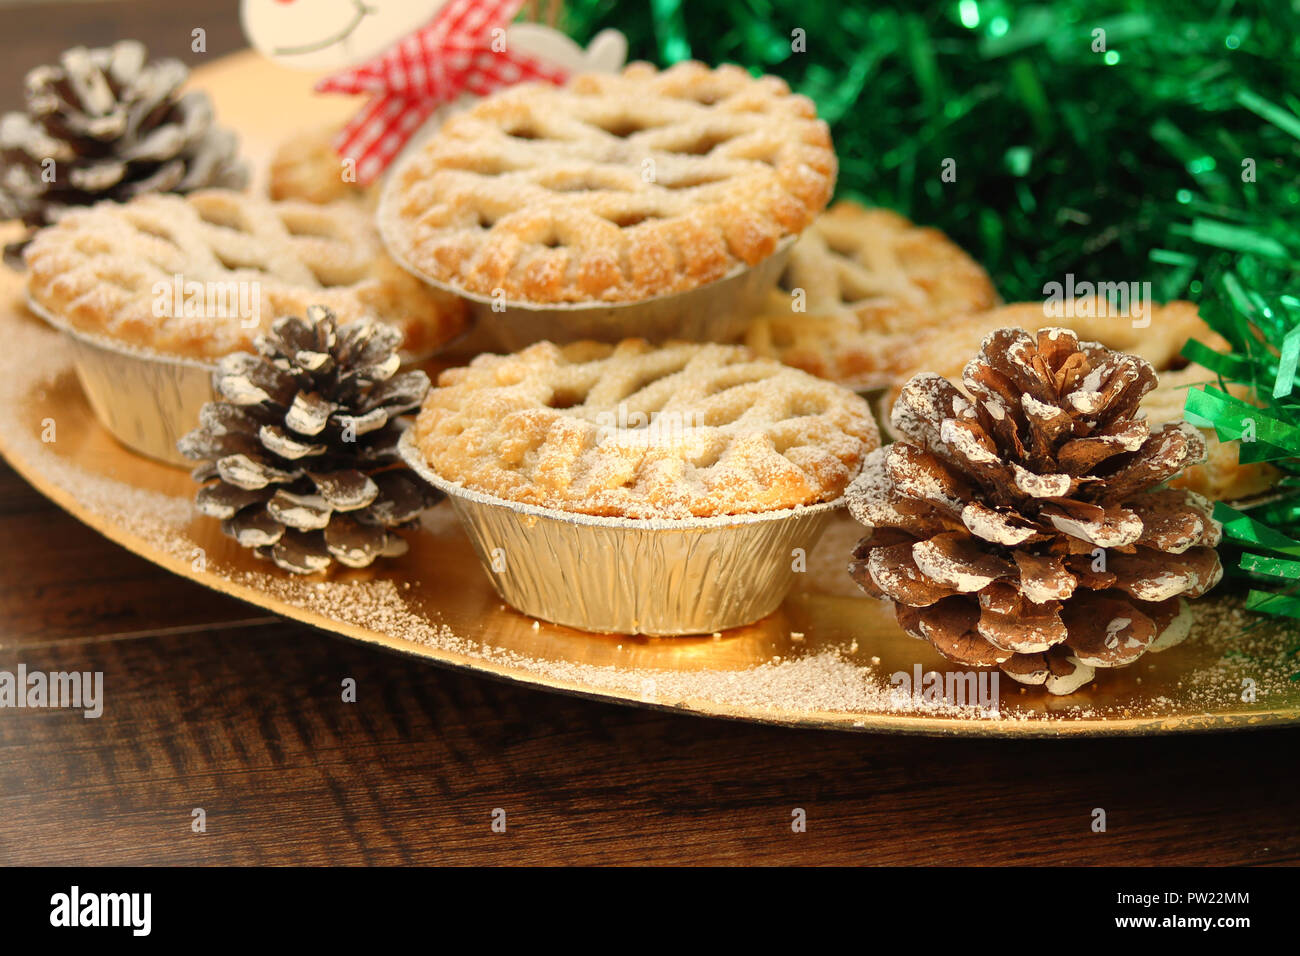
<point x="146" y="400"/>
<point x="716" y="312"/>
<point x="629" y="576"/>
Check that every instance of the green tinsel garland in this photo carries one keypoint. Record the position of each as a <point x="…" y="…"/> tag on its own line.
<point x="1252" y="298"/>
<point x="1068" y="158"/>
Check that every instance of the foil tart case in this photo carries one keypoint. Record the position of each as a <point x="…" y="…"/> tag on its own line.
<point x="146" y="400"/>
<point x="629" y="576"/>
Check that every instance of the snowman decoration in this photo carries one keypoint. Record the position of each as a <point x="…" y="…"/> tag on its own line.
<point x="418" y="59"/>
<point x="330" y="34"/>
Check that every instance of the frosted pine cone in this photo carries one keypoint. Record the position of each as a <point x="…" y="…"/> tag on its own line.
<point x="300" y="460"/>
<point x="1022" y="524"/>
<point x="107" y="123"/>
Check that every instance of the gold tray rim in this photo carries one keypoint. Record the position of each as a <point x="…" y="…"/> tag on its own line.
<point x="218" y="75"/>
<point x="921" y="725"/>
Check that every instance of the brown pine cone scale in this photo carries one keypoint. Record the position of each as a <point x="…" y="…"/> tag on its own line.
<point x="109" y="124"/>
<point x="1023" y="524"/>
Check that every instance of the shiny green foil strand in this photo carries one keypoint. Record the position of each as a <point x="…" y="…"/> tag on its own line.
<point x="1273" y="602"/>
<point x="1283" y="568"/>
<point x="1262" y="436"/>
<point x="1284" y="382"/>
<point x="1241" y="527"/>
<point x="1275" y="566"/>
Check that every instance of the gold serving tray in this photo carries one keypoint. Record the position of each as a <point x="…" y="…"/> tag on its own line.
<point x="825" y="659"/>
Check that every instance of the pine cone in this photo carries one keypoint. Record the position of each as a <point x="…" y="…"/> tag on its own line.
<point x="300" y="460"/>
<point x="115" y="127"/>
<point x="1022" y="525"/>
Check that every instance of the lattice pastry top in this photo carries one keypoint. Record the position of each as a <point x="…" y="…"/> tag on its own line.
<point x="870" y="281"/>
<point x="642" y="432"/>
<point x="199" y="276"/>
<point x="615" y="187"/>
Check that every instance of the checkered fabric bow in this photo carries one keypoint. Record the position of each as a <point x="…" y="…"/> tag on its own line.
<point x="434" y="65"/>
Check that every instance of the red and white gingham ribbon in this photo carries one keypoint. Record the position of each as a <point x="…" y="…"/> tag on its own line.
<point x="434" y="65"/>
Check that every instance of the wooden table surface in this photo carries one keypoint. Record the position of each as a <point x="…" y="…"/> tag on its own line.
<point x="210" y="704"/>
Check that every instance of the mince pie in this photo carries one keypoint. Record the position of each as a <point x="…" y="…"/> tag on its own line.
<point x="860" y="285"/>
<point x="612" y="188"/>
<point x="635" y="431"/>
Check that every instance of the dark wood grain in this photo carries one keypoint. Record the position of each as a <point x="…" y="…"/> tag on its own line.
<point x="210" y="704"/>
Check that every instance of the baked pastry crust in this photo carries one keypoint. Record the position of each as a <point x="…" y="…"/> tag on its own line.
<point x="1221" y="477"/>
<point x="307" y="168"/>
<point x="614" y="187"/>
<point x="1159" y="335"/>
<point x="635" y="431"/>
<point x="103" y="269"/>
<point x="871" y="280"/>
